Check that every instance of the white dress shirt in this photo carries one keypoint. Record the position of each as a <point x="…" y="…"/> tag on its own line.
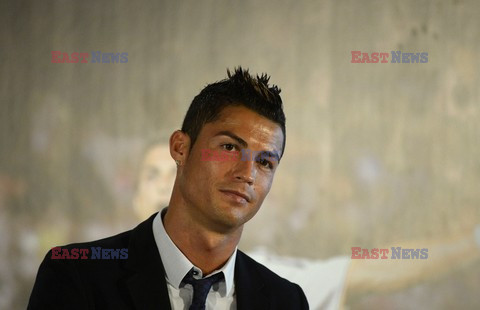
<point x="176" y="265"/>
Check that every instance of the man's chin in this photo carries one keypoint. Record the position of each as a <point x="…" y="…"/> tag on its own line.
<point x="229" y="222"/>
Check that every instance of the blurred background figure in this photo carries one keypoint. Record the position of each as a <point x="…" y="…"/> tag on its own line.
<point x="329" y="283"/>
<point x="155" y="181"/>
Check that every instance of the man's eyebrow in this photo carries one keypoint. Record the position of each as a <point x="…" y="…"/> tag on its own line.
<point x="233" y="136"/>
<point x="245" y="144"/>
<point x="274" y="154"/>
<point x="269" y="154"/>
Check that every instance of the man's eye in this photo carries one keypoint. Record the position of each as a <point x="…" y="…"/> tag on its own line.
<point x="265" y="163"/>
<point x="229" y="146"/>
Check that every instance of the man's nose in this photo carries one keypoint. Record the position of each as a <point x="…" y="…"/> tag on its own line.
<point x="245" y="170"/>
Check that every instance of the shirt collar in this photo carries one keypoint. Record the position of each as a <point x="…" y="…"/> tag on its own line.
<point x="176" y="264"/>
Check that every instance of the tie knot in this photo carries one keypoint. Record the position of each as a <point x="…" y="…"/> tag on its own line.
<point x="201" y="287"/>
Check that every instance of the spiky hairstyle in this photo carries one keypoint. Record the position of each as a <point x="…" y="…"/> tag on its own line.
<point x="238" y="89"/>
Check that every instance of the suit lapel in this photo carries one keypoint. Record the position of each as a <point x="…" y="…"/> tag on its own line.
<point x="146" y="284"/>
<point x="249" y="285"/>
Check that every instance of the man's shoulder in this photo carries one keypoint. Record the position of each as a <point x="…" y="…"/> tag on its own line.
<point x="252" y="276"/>
<point x="82" y="274"/>
<point x="264" y="272"/>
<point x="90" y="260"/>
<point x="96" y="258"/>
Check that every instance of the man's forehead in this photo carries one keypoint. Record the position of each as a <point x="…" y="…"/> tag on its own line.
<point x="249" y="126"/>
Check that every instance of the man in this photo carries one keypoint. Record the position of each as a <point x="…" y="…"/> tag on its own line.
<point x="186" y="257"/>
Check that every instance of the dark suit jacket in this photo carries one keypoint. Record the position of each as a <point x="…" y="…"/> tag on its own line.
<point x="139" y="281"/>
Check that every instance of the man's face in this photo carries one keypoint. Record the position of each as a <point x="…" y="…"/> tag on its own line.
<point x="223" y="195"/>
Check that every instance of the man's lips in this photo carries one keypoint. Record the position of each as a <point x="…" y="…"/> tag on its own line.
<point x="236" y="193"/>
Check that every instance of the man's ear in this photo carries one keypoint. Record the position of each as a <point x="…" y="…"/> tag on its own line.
<point x="179" y="147"/>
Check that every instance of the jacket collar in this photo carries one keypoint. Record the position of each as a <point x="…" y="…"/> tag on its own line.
<point x="249" y="284"/>
<point x="148" y="287"/>
<point x="146" y="284"/>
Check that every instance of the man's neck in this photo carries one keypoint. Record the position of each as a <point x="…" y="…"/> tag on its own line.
<point x="206" y="249"/>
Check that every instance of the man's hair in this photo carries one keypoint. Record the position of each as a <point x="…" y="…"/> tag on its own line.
<point x="239" y="89"/>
